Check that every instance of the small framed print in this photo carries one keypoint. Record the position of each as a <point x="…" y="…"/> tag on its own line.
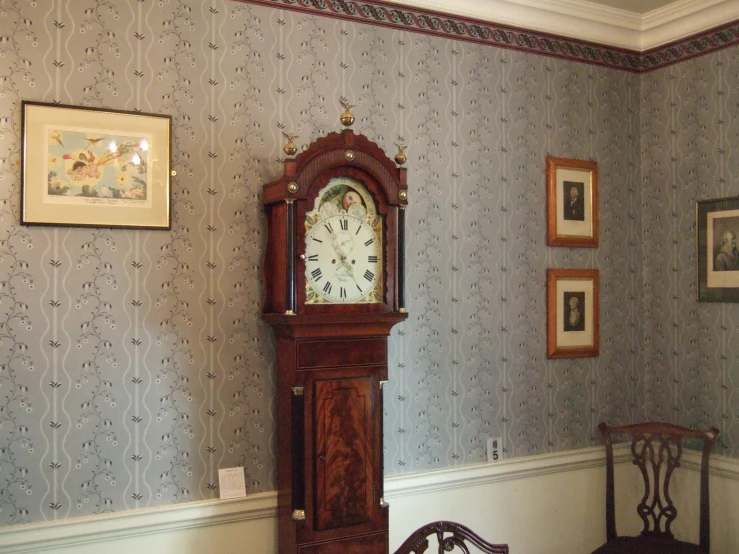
<point x="573" y="313"/>
<point x="572" y="202"/>
<point x="717" y="225"/>
<point x="93" y="167"/>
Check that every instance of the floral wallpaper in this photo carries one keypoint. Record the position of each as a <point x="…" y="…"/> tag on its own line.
<point x="689" y="153"/>
<point x="134" y="364"/>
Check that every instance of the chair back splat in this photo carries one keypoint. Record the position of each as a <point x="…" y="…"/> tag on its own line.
<point x="418" y="542"/>
<point x="656" y="449"/>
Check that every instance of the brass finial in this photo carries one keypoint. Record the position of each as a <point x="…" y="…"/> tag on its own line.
<point x="400" y="157"/>
<point x="346" y="118"/>
<point x="290" y="147"/>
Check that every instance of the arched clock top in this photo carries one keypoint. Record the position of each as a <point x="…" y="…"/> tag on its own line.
<point x="346" y="140"/>
<point x="337" y="151"/>
<point x="336" y="230"/>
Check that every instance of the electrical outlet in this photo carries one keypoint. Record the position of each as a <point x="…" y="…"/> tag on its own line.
<point x="495" y="449"/>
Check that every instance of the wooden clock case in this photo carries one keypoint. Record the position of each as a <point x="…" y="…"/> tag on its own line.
<point x="331" y="358"/>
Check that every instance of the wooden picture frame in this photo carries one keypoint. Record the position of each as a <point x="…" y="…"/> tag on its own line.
<point x="572" y="202"/>
<point x="717" y="229"/>
<point x="92" y="167"/>
<point x="573" y="313"/>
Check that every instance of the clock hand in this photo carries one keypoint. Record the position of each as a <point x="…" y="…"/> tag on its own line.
<point x="342" y="244"/>
<point x="343" y="263"/>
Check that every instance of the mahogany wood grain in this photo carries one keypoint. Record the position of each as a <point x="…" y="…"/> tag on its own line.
<point x="375" y="542"/>
<point x="345" y="352"/>
<point x="331" y="358"/>
<point x="344" y="432"/>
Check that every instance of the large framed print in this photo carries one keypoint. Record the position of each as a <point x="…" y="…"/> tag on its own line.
<point x="573" y="313"/>
<point x="572" y="202"/>
<point x="95" y="167"/>
<point x="717" y="224"/>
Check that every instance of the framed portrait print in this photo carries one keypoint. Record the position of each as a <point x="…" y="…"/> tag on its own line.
<point x="94" y="167"/>
<point x="572" y="202"/>
<point x="717" y="224"/>
<point x="573" y="313"/>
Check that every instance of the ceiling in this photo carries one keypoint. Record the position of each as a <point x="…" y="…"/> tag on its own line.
<point x="638" y="25"/>
<point x="636" y="6"/>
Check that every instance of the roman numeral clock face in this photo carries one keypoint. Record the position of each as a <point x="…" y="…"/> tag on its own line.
<point x="343" y="260"/>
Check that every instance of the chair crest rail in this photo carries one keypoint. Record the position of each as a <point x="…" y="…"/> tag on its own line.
<point x="457" y="536"/>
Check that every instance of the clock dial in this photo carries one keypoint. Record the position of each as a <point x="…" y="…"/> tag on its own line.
<point x="343" y="260"/>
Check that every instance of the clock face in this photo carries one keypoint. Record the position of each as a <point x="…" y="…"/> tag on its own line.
<point x="343" y="260"/>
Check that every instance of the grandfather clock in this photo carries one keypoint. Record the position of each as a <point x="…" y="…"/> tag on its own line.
<point x="333" y="273"/>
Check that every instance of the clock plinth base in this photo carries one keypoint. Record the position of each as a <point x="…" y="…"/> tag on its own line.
<point x="329" y="434"/>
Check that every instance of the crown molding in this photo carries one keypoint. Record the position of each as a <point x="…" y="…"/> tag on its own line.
<point x="590" y="22"/>
<point x="685" y="18"/>
<point x="571" y="19"/>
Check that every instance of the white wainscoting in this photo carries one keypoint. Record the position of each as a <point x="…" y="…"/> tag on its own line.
<point x="210" y="526"/>
<point x="548" y="504"/>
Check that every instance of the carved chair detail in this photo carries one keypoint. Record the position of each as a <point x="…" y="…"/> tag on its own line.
<point x="456" y="533"/>
<point x="656" y="449"/>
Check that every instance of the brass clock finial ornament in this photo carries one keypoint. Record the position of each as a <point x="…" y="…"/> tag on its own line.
<point x="347" y="118"/>
<point x="290" y="149"/>
<point x="400" y="157"/>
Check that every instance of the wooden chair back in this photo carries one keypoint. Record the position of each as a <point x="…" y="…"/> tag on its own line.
<point x="457" y="535"/>
<point x="656" y="449"/>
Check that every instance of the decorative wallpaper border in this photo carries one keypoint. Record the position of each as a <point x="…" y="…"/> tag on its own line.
<point x="691" y="47"/>
<point x="471" y="30"/>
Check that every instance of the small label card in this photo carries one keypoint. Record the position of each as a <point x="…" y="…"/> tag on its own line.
<point x="231" y="483"/>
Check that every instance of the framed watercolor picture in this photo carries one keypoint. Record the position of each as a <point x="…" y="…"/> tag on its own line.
<point x="573" y="313"/>
<point x="717" y="225"/>
<point x="572" y="202"/>
<point x="95" y="167"/>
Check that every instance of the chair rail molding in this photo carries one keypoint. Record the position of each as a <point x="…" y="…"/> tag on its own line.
<point x="505" y="470"/>
<point x="719" y="466"/>
<point x="74" y="532"/>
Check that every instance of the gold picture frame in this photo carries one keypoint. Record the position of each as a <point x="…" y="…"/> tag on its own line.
<point x="93" y="167"/>
<point x="717" y="229"/>
<point x="572" y="202"/>
<point x="573" y="313"/>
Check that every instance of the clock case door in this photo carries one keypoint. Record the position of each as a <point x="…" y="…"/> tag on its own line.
<point x="331" y="358"/>
<point x="330" y="474"/>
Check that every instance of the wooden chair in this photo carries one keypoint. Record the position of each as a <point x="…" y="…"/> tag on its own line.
<point x="656" y="449"/>
<point x="418" y="542"/>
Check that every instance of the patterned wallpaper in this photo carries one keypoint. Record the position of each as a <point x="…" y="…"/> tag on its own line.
<point x="689" y="153"/>
<point x="134" y="364"/>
